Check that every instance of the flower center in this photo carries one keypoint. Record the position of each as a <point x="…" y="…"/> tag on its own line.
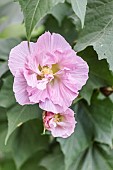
<point x="46" y="70"/>
<point x="55" y="68"/>
<point x="58" y="118"/>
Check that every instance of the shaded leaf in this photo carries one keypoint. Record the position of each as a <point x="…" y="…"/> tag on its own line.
<point x="3" y="68"/>
<point x="5" y="47"/>
<point x="95" y="157"/>
<point x="94" y="124"/>
<point x="100" y="115"/>
<point x="79" y="7"/>
<point x="54" y="161"/>
<point x="3" y="130"/>
<point x="27" y="140"/>
<point x="18" y="115"/>
<point x="34" y="161"/>
<point x="6" y="93"/>
<point x="99" y="74"/>
<point x="64" y="29"/>
<point x="60" y="11"/>
<point x="9" y="13"/>
<point x="7" y="164"/>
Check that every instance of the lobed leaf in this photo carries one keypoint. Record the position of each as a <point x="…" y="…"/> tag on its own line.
<point x="18" y="115"/>
<point x="94" y="125"/>
<point x="27" y="140"/>
<point x="98" y="29"/>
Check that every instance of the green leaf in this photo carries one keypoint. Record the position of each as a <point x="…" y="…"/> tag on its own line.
<point x="6" y="45"/>
<point x="7" y="90"/>
<point x="95" y="157"/>
<point x="18" y="115"/>
<point x="79" y="7"/>
<point x="78" y="141"/>
<point x="3" y="130"/>
<point x="9" y="13"/>
<point x="99" y="74"/>
<point x="27" y="140"/>
<point x="34" y="161"/>
<point x="94" y="124"/>
<point x="60" y="11"/>
<point x="15" y="30"/>
<point x="100" y="114"/>
<point x="3" y="68"/>
<point x="111" y="96"/>
<point x="98" y="29"/>
<point x="7" y="164"/>
<point x="52" y="25"/>
<point x="74" y="145"/>
<point x="54" y="160"/>
<point x="34" y="11"/>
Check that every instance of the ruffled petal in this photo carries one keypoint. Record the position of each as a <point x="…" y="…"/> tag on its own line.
<point x="31" y="78"/>
<point x="59" y="131"/>
<point x="20" y="89"/>
<point x="48" y="105"/>
<point x="36" y="95"/>
<point x="55" y="93"/>
<point x="59" y="43"/>
<point x="66" y="59"/>
<point x="48" y="44"/>
<point x="32" y="81"/>
<point x="61" y="95"/>
<point x="51" y="42"/>
<point x="65" y="128"/>
<point x="19" y="56"/>
<point x="74" y="79"/>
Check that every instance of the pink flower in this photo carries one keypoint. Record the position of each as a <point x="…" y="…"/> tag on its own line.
<point x="49" y="73"/>
<point x="60" y="124"/>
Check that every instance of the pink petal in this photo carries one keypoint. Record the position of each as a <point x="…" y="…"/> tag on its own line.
<point x="51" y="42"/>
<point x="65" y="128"/>
<point x="33" y="63"/>
<point x="32" y="81"/>
<point x="48" y="105"/>
<point x="75" y="79"/>
<point x="61" y="95"/>
<point x="47" y="45"/>
<point x="31" y="78"/>
<point x="37" y="95"/>
<point x="59" y="131"/>
<point x="67" y="94"/>
<point x="59" y="43"/>
<point x="55" y="93"/>
<point x="20" y="89"/>
<point x="41" y="84"/>
<point x="66" y="59"/>
<point x="19" y="55"/>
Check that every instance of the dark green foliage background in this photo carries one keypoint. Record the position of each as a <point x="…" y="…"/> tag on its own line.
<point x="88" y="26"/>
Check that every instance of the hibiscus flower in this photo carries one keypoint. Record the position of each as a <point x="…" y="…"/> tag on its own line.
<point x="60" y="124"/>
<point x="48" y="72"/>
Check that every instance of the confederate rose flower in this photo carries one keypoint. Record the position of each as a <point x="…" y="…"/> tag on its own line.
<point x="60" y="124"/>
<point x="48" y="72"/>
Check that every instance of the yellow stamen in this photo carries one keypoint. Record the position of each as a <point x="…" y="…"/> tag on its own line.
<point x="58" y="118"/>
<point x="55" y="68"/>
<point x="47" y="70"/>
